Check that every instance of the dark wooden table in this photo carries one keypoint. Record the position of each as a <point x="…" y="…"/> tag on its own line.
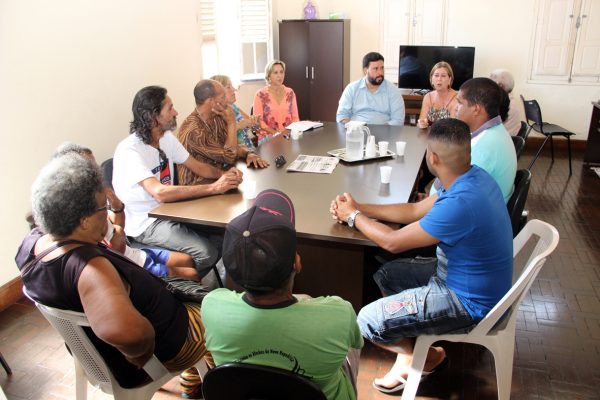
<point x="332" y="254"/>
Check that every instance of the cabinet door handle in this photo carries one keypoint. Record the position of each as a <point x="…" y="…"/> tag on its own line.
<point x="312" y="72"/>
<point x="307" y="72"/>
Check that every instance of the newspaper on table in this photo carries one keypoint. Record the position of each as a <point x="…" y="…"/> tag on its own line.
<point x="314" y="164"/>
<point x="304" y="125"/>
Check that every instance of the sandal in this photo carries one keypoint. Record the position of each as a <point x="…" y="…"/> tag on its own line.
<point x="402" y="381"/>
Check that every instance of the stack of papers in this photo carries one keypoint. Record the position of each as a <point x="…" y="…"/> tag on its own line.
<point x="314" y="164"/>
<point x="304" y="125"/>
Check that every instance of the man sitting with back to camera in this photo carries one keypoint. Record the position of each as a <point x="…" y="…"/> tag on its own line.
<point x="317" y="338"/>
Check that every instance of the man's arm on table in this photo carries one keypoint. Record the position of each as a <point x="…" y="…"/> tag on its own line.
<point x="401" y="213"/>
<point x="169" y="193"/>
<point x="395" y="241"/>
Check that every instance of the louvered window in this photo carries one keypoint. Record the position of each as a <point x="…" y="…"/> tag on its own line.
<point x="207" y="20"/>
<point x="255" y="37"/>
<point x="236" y="38"/>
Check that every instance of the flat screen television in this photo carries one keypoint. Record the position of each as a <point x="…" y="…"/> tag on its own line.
<point x="416" y="63"/>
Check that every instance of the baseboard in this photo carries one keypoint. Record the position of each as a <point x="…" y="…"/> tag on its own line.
<point x="534" y="142"/>
<point x="11" y="292"/>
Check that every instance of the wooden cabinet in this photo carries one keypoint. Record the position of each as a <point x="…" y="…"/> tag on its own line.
<point x="317" y="57"/>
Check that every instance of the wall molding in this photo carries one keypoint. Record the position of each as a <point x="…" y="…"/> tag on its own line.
<point x="11" y="292"/>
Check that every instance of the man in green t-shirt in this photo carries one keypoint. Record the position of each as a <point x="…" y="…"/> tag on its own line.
<point x="317" y="338"/>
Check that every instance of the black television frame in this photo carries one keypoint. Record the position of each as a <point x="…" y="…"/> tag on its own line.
<point x="460" y="58"/>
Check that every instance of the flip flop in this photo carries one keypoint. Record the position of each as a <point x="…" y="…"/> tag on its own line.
<point x="425" y="374"/>
<point x="393" y="389"/>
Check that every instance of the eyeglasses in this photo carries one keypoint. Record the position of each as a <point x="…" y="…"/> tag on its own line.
<point x="103" y="208"/>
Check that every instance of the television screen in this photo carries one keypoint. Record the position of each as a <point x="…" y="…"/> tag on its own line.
<point x="416" y="63"/>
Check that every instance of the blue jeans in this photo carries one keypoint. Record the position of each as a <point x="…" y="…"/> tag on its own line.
<point x="179" y="237"/>
<point x="418" y="302"/>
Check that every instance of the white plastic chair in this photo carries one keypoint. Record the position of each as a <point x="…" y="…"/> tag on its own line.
<point x="494" y="332"/>
<point x="91" y="367"/>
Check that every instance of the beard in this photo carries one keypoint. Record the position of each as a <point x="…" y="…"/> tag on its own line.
<point x="171" y="126"/>
<point x="378" y="80"/>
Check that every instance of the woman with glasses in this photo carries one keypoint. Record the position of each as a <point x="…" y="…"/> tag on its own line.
<point x="132" y="315"/>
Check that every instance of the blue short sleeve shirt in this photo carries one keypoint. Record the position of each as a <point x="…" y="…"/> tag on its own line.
<point x="471" y="222"/>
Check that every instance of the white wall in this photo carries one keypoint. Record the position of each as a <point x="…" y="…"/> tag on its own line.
<point x="68" y="71"/>
<point x="501" y="31"/>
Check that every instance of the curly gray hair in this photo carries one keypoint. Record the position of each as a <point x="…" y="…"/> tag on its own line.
<point x="64" y="192"/>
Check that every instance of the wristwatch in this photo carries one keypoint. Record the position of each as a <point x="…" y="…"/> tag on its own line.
<point x="352" y="218"/>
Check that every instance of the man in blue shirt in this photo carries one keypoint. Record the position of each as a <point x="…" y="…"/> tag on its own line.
<point x="371" y="99"/>
<point x="468" y="222"/>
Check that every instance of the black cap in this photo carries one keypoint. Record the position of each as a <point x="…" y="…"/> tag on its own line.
<point x="260" y="245"/>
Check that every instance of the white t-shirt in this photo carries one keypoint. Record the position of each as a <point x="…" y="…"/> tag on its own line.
<point x="133" y="162"/>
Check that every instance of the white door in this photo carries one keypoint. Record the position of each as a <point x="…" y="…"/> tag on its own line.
<point x="586" y="62"/>
<point x="555" y="39"/>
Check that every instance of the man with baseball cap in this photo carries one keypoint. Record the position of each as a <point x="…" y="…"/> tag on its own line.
<point x="317" y="338"/>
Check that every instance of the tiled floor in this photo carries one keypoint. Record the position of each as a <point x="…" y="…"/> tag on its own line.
<point x="558" y="334"/>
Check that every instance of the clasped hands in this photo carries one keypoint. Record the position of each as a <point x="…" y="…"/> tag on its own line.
<point x="230" y="179"/>
<point x="342" y="206"/>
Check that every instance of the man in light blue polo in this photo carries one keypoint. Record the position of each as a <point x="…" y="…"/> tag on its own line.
<point x="483" y="105"/>
<point x="371" y="99"/>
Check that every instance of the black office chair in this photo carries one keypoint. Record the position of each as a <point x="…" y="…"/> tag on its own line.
<point x="533" y="114"/>
<point x="516" y="203"/>
<point x="524" y="130"/>
<point x="107" y="171"/>
<point x="246" y="381"/>
<point x="519" y="143"/>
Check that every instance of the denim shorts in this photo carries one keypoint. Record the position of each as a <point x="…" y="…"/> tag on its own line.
<point x="429" y="309"/>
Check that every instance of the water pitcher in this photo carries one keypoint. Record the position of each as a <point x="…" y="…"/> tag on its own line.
<point x="355" y="141"/>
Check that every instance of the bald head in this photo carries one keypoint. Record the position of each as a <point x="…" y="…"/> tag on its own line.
<point x="206" y="89"/>
<point x="450" y="139"/>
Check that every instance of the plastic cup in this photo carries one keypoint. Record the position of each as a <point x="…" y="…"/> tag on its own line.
<point x="383" y="148"/>
<point x="249" y="187"/>
<point x="295" y="134"/>
<point x="386" y="173"/>
<point x="400" y="147"/>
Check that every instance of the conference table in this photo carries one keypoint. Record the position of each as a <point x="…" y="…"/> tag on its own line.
<point x="332" y="254"/>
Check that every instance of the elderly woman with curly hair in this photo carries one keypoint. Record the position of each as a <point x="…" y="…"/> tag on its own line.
<point x="131" y="313"/>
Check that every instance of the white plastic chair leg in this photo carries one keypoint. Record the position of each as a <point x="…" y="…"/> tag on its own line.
<point x="503" y="360"/>
<point x="81" y="382"/>
<point x="416" y="369"/>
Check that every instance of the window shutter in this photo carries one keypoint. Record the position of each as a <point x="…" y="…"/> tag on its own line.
<point x="254" y="21"/>
<point x="207" y="20"/>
